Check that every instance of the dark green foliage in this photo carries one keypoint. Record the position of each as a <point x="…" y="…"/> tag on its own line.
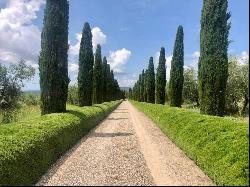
<point x="53" y="61"/>
<point x="28" y="149"/>
<point x="86" y="62"/>
<point x="145" y="79"/>
<point x="219" y="146"/>
<point x="141" y="79"/>
<point x="97" y="77"/>
<point x="104" y="79"/>
<point x="176" y="72"/>
<point x="213" y="62"/>
<point x="151" y="82"/>
<point x="161" y="79"/>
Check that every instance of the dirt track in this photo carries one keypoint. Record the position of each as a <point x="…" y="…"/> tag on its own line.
<point x="125" y="149"/>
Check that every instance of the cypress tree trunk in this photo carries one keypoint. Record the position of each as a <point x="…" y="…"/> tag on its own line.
<point x="53" y="60"/>
<point x="86" y="62"/>
<point x="161" y="79"/>
<point x="97" y="77"/>
<point x="213" y="62"/>
<point x="176" y="73"/>
<point x="105" y="78"/>
<point x="151" y="82"/>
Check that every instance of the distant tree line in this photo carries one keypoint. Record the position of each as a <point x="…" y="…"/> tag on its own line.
<point x="221" y="84"/>
<point x="96" y="82"/>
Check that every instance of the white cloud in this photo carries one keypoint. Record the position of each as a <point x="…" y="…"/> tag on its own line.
<point x="126" y="80"/>
<point x="73" y="68"/>
<point x="243" y="57"/>
<point x="19" y="37"/>
<point x="117" y="59"/>
<point x="196" y="54"/>
<point x="98" y="37"/>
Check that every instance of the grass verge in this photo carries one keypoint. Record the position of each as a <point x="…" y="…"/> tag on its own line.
<point x="28" y="149"/>
<point x="219" y="146"/>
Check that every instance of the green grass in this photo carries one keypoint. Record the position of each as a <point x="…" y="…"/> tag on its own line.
<point x="29" y="148"/>
<point x="219" y="146"/>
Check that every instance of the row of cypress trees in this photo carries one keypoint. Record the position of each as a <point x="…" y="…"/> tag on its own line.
<point x="151" y="88"/>
<point x="213" y="64"/>
<point x="96" y="82"/>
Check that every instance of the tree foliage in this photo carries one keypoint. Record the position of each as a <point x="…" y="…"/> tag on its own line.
<point x="11" y="81"/>
<point x="53" y="61"/>
<point x="151" y="81"/>
<point x="237" y="93"/>
<point x="86" y="62"/>
<point x="190" y="86"/>
<point x="213" y="62"/>
<point x="176" y="72"/>
<point x="161" y="78"/>
<point x="97" y="78"/>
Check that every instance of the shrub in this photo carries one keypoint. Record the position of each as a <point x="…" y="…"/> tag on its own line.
<point x="28" y="149"/>
<point x="219" y="146"/>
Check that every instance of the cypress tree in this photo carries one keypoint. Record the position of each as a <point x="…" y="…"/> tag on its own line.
<point x="176" y="72"/>
<point x="86" y="62"/>
<point x="97" y="77"/>
<point x="142" y="85"/>
<point x="151" y="82"/>
<point x="112" y="85"/>
<point x="161" y="79"/>
<point x="145" y="86"/>
<point x="104" y="78"/>
<point x="213" y="62"/>
<point x="108" y="83"/>
<point x="53" y="60"/>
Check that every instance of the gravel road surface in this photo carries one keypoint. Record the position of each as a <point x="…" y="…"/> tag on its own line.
<point x="127" y="148"/>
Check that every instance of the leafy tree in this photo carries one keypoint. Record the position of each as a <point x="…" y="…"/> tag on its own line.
<point x="213" y="62"/>
<point x="97" y="80"/>
<point x="151" y="82"/>
<point x="237" y="93"/>
<point x="53" y="61"/>
<point x="190" y="86"/>
<point x="86" y="62"/>
<point x="161" y="79"/>
<point x="11" y="81"/>
<point x="73" y="96"/>
<point x="176" y="72"/>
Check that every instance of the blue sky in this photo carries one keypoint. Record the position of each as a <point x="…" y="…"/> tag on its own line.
<point x="131" y="31"/>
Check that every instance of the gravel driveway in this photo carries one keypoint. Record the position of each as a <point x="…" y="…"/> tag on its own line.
<point x="125" y="149"/>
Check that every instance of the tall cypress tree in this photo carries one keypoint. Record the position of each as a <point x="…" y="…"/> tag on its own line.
<point x="104" y="78"/>
<point x="53" y="60"/>
<point x="108" y="83"/>
<point x="145" y="95"/>
<point x="213" y="62"/>
<point x="151" y="82"/>
<point x="86" y="62"/>
<point x="161" y="79"/>
<point x="142" y="85"/>
<point x="97" y="77"/>
<point x="176" y="72"/>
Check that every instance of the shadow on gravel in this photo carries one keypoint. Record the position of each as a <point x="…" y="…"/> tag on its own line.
<point x="106" y="135"/>
<point x="116" y="118"/>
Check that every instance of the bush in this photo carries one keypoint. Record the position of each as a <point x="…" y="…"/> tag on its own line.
<point x="219" y="146"/>
<point x="28" y="149"/>
<point x="31" y="99"/>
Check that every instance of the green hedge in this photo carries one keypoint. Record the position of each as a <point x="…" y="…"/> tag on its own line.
<point x="28" y="149"/>
<point x="219" y="146"/>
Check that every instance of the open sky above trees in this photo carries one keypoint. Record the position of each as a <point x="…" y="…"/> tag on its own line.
<point x="130" y="31"/>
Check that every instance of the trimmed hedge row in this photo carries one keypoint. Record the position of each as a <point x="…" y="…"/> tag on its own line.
<point x="219" y="146"/>
<point x="28" y="149"/>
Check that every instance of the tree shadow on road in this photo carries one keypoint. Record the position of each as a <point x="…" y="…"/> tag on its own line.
<point x="106" y="135"/>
